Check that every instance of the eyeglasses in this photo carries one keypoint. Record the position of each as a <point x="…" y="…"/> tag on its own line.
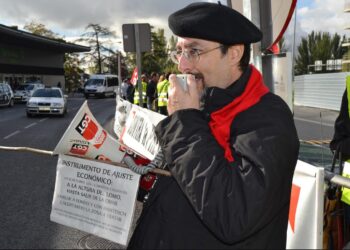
<point x="191" y="55"/>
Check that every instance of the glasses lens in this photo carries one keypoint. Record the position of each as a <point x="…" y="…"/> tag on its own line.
<point x="175" y="57"/>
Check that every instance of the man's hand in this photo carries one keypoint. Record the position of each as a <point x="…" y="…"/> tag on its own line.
<point x="179" y="99"/>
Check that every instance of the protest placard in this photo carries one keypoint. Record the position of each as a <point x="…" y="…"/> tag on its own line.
<point x="95" y="197"/>
<point x="85" y="137"/>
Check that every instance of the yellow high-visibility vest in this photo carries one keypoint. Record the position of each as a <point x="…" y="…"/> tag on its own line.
<point x="345" y="197"/>
<point x="162" y="89"/>
<point x="136" y="96"/>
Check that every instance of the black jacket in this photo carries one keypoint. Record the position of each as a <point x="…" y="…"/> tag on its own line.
<point x="211" y="203"/>
<point x="341" y="138"/>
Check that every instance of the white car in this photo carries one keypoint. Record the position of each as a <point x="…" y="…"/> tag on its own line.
<point x="6" y="95"/>
<point x="25" y="91"/>
<point x="49" y="101"/>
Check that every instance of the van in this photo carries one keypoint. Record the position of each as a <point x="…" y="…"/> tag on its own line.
<point x="101" y="86"/>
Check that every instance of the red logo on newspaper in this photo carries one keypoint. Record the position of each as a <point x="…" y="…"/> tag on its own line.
<point x="79" y="149"/>
<point x="100" y="139"/>
<point x="87" y="128"/>
<point x="102" y="158"/>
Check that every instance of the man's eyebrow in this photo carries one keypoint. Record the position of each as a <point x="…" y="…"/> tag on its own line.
<point x="189" y="45"/>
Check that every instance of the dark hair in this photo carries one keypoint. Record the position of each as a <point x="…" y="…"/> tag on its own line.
<point x="244" y="62"/>
<point x="167" y="75"/>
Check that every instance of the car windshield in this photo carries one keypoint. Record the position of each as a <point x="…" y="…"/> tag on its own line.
<point x="94" y="82"/>
<point x="22" y="87"/>
<point x="47" y="93"/>
<point x="30" y="87"/>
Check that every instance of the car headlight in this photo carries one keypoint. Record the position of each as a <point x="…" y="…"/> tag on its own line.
<point x="31" y="103"/>
<point x="57" y="104"/>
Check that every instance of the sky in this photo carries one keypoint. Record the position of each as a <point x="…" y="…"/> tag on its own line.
<point x="68" y="18"/>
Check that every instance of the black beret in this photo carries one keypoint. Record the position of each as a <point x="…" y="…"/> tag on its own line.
<point x="213" y="22"/>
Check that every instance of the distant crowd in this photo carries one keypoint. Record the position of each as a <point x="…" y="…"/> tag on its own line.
<point x="154" y="92"/>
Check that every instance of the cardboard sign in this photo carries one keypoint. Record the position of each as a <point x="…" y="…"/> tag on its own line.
<point x="95" y="197"/>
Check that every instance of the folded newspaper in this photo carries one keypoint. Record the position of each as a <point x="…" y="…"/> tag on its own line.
<point x="96" y="197"/>
<point x="90" y="195"/>
<point x="134" y="127"/>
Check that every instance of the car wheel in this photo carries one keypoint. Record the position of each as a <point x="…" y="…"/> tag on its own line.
<point x="86" y="96"/>
<point x="11" y="103"/>
<point x="29" y="114"/>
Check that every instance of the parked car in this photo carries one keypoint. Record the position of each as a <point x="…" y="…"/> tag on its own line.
<point x="25" y="91"/>
<point x="101" y="86"/>
<point x="6" y="95"/>
<point x="49" y="101"/>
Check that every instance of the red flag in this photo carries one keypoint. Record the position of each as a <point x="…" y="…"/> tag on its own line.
<point x="134" y="77"/>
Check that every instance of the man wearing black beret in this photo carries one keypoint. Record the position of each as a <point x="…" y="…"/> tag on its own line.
<point x="230" y="145"/>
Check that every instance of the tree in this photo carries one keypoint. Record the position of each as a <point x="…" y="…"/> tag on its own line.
<point x="41" y="30"/>
<point x="72" y="72"/>
<point x="112" y="63"/>
<point x="318" y="46"/>
<point x="157" y="60"/>
<point x="94" y="37"/>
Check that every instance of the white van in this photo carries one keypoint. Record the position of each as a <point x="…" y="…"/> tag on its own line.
<point x="101" y="86"/>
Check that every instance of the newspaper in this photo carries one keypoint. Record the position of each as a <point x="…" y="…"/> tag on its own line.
<point x="92" y="196"/>
<point x="95" y="197"/>
<point x="135" y="126"/>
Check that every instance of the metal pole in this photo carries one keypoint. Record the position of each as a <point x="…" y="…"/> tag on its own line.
<point x="293" y="59"/>
<point x="119" y="75"/>
<point x="138" y="62"/>
<point x="266" y="28"/>
<point x="255" y="17"/>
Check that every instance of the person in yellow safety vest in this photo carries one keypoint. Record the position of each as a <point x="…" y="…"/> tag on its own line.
<point x="144" y="88"/>
<point x="162" y="90"/>
<point x="341" y="144"/>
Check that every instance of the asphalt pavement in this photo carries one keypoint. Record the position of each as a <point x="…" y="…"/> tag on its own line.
<point x="314" y="123"/>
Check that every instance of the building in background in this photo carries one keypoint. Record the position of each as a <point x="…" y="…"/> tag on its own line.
<point x="28" y="57"/>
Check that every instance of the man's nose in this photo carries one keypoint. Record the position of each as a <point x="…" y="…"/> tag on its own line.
<point x="185" y="65"/>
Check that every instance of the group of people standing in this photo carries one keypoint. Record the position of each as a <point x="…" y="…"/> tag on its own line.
<point x="154" y="92"/>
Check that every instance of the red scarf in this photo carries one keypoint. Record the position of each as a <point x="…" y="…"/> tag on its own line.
<point x="221" y="120"/>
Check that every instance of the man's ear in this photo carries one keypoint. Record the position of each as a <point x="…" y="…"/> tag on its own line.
<point x="236" y="53"/>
